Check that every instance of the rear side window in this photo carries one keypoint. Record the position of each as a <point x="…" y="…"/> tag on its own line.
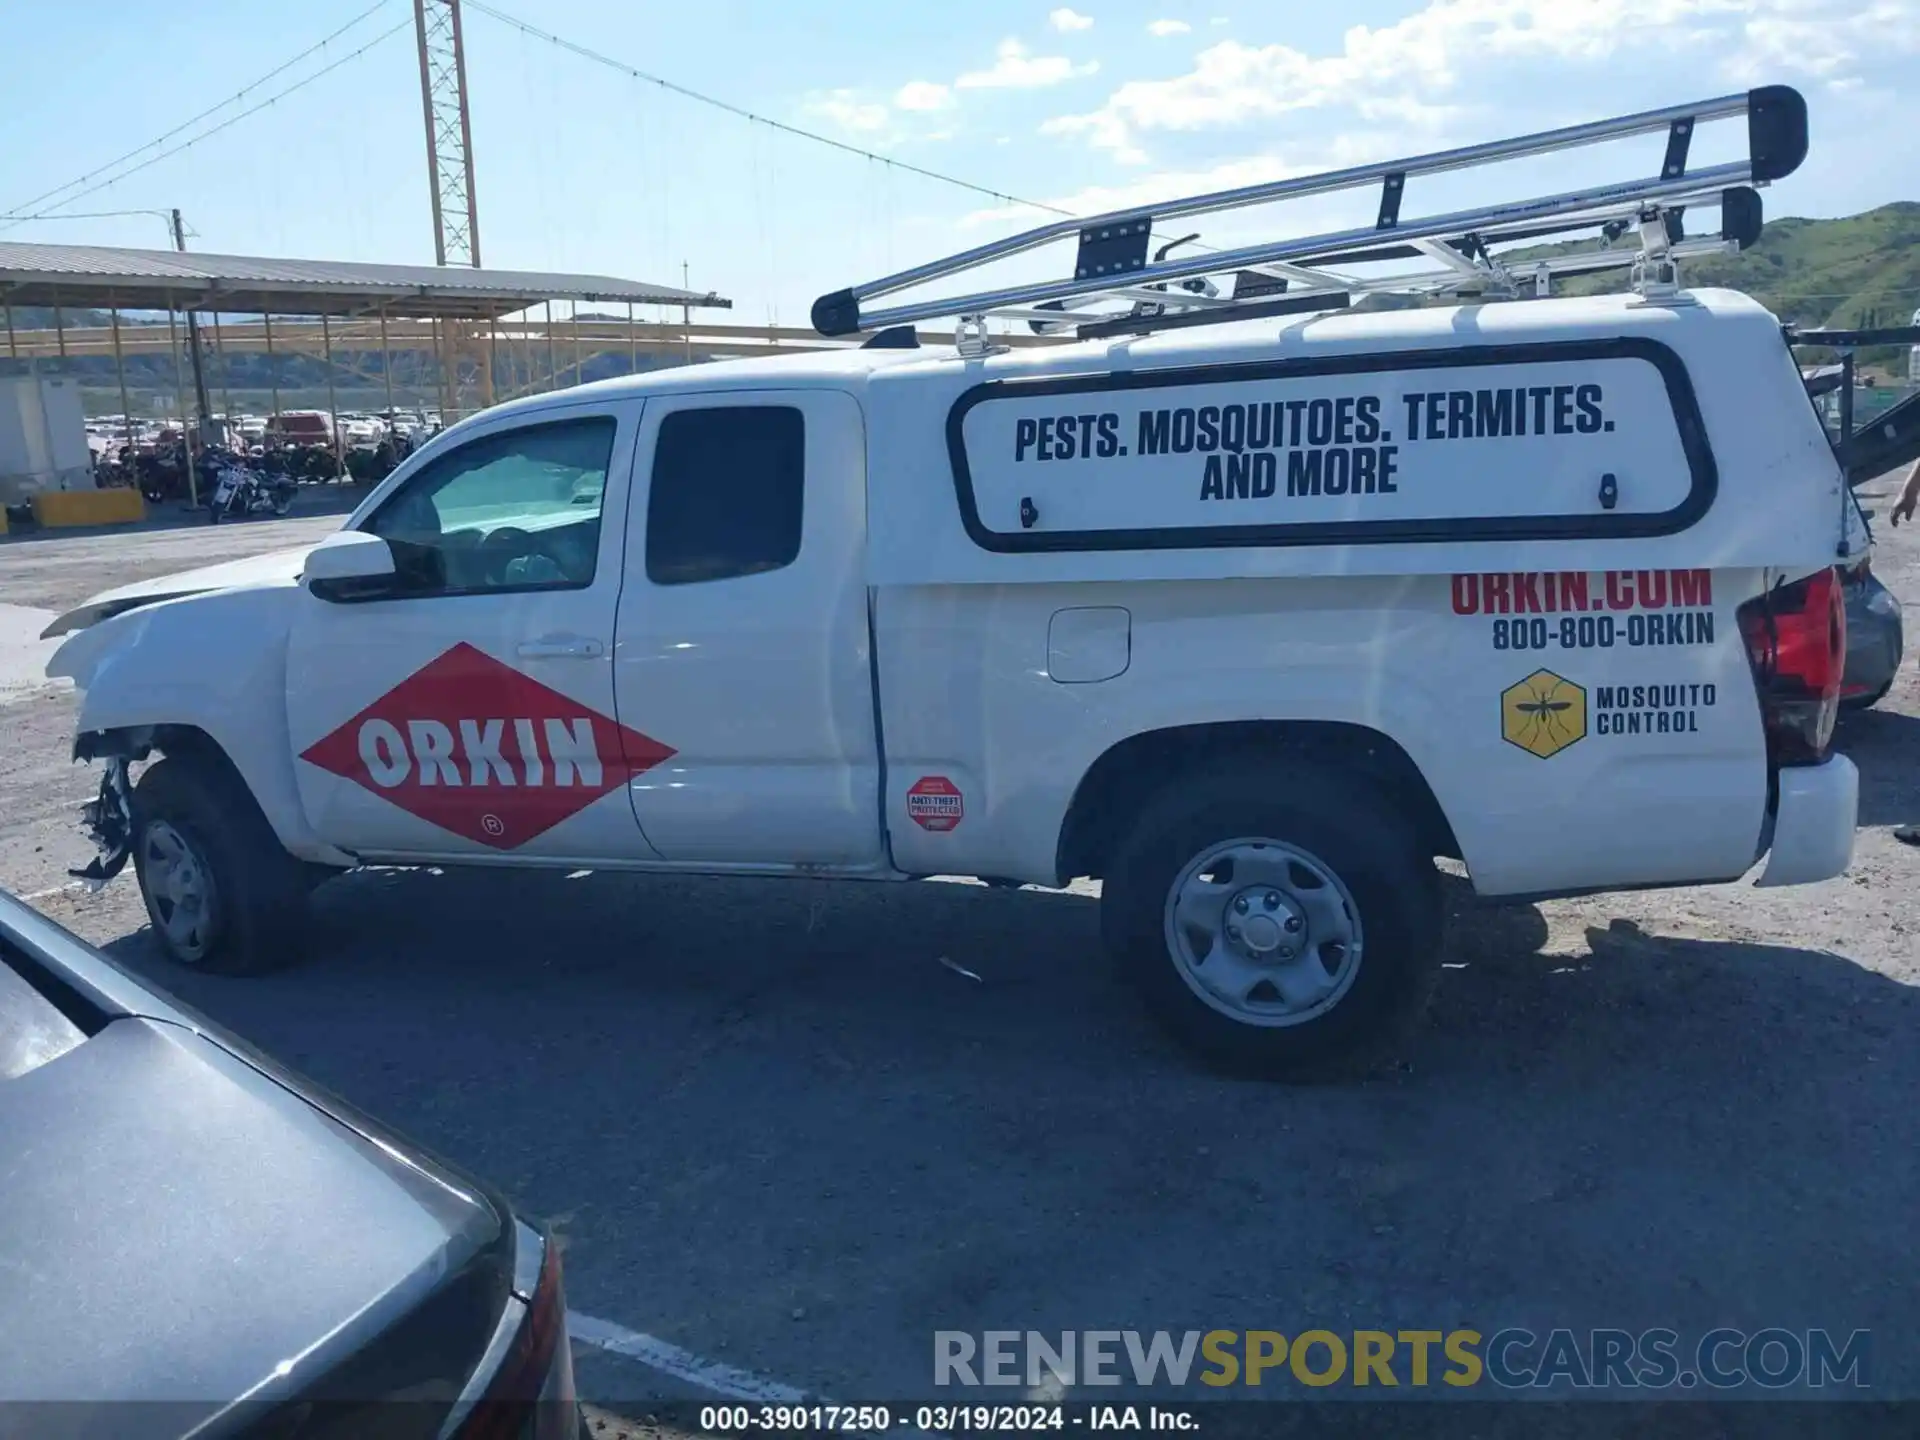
<point x="727" y="492"/>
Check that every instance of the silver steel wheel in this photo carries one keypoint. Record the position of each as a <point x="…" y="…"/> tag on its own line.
<point x="1263" y="932"/>
<point x="180" y="893"/>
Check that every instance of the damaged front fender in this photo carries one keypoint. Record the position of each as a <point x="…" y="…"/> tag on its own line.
<point x="108" y="819"/>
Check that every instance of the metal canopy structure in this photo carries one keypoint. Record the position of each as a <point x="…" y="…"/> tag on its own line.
<point x="103" y="277"/>
<point x="459" y="311"/>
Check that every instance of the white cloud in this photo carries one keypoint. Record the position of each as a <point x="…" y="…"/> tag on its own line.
<point x="1015" y="69"/>
<point x="1421" y="69"/>
<point x="1458" y="71"/>
<point x="852" y="114"/>
<point x="1104" y="129"/>
<point x="1065" y="20"/>
<point x="923" y="95"/>
<point x="1161" y="29"/>
<point x="1349" y="148"/>
<point x="1801" y="37"/>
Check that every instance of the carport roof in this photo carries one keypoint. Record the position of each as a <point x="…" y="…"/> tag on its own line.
<point x="103" y="277"/>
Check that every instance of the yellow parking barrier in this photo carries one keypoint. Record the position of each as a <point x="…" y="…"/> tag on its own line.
<point x="115" y="506"/>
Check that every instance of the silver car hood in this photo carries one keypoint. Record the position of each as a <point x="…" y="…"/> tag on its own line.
<point x="179" y="1229"/>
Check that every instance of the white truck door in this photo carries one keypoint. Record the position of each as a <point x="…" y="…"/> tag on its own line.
<point x="468" y="712"/>
<point x="742" y="637"/>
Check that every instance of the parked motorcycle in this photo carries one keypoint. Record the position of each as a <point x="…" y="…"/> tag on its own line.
<point x="108" y="473"/>
<point x="370" y="464"/>
<point x="314" y="462"/>
<point x="162" y="476"/>
<point x="238" y="490"/>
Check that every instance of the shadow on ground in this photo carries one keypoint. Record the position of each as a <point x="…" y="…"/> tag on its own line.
<point x="770" y="1125"/>
<point x="1883" y="743"/>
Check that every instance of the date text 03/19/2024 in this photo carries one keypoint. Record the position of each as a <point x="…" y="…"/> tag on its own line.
<point x="953" y="1419"/>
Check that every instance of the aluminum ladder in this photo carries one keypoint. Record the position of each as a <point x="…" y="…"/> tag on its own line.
<point x="1118" y="288"/>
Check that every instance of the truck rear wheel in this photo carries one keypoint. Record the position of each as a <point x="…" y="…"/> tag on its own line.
<point x="1280" y="921"/>
<point x="221" y="892"/>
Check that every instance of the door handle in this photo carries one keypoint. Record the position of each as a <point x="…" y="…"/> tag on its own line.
<point x="560" y="647"/>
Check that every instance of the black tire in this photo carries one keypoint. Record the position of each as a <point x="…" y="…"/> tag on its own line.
<point x="1342" y="822"/>
<point x="258" y="892"/>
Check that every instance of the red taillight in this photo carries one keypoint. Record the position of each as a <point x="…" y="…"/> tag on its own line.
<point x="531" y="1395"/>
<point x="1797" y="645"/>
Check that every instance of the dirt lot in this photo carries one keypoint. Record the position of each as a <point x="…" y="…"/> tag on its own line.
<point x="796" y="1143"/>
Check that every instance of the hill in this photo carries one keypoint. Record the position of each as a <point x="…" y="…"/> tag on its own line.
<point x="1851" y="273"/>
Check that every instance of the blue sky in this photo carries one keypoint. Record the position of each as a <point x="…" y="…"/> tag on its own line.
<point x="580" y="167"/>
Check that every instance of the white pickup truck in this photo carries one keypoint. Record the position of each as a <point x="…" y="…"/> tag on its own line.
<point x="1248" y="620"/>
<point x="784" y="617"/>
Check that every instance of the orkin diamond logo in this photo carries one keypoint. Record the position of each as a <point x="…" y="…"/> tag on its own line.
<point x="475" y="747"/>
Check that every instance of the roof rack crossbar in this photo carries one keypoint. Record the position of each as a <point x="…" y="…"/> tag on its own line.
<point x="1114" y="265"/>
<point x="1623" y="199"/>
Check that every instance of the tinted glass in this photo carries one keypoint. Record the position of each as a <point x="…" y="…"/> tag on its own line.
<point x="727" y="493"/>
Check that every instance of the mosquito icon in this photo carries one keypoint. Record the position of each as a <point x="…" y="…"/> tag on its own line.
<point x="1545" y="714"/>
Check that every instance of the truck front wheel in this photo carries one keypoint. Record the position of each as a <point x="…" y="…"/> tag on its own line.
<point x="1280" y="921"/>
<point x="221" y="893"/>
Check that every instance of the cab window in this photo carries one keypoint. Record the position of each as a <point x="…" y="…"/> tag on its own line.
<point x="517" y="510"/>
<point x="727" y="493"/>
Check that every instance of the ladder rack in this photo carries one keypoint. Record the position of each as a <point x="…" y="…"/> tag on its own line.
<point x="1117" y="288"/>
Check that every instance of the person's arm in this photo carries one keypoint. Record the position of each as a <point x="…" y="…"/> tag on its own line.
<point x="1909" y="497"/>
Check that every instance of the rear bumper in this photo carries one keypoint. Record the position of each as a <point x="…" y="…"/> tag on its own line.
<point x="1813" y="823"/>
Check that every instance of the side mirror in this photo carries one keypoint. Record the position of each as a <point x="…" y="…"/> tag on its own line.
<point x="351" y="565"/>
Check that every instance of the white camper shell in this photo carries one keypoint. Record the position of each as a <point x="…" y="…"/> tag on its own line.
<point x="1249" y="620"/>
<point x="1540" y="436"/>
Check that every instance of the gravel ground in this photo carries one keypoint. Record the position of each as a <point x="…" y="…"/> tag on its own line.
<point x="797" y="1143"/>
<point x="57" y="569"/>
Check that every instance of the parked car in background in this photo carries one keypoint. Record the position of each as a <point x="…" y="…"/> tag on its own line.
<point x="1876" y="637"/>
<point x="359" y="429"/>
<point x="301" y="427"/>
<point x="187" y="1225"/>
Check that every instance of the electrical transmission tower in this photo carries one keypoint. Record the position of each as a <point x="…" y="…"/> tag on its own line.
<point x="443" y="95"/>
<point x="456" y="213"/>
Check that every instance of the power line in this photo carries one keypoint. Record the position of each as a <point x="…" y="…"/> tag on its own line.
<point x="165" y="217"/>
<point x="84" y="215"/>
<point x="208" y="134"/>
<point x="238" y="95"/>
<point x="730" y="108"/>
